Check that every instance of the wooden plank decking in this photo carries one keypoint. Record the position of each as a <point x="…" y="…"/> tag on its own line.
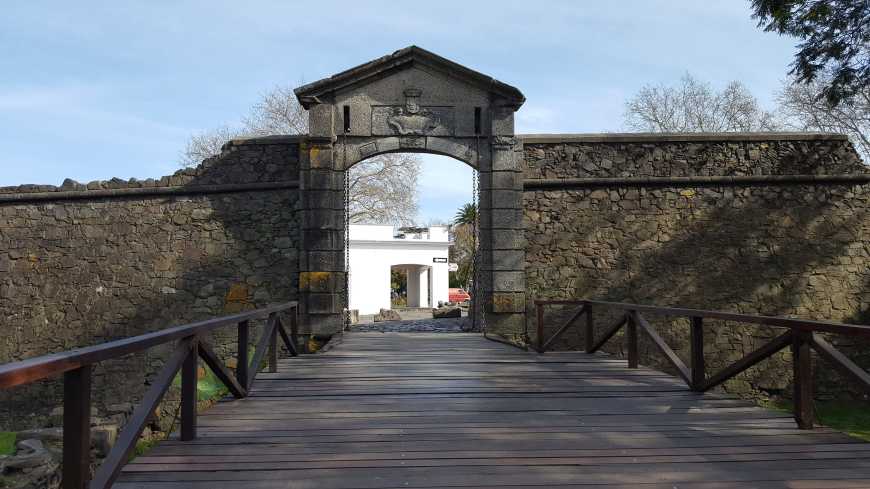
<point x="421" y="410"/>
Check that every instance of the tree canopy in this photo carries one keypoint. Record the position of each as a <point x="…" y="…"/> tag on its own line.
<point x="695" y="106"/>
<point x="835" y="41"/>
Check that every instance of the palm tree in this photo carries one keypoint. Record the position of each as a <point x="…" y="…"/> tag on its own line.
<point x="465" y="244"/>
<point x="466" y="214"/>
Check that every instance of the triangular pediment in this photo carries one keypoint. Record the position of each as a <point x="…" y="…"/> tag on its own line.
<point x="403" y="59"/>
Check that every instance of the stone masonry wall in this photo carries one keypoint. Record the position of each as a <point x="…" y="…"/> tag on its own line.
<point x="86" y="268"/>
<point x="778" y="249"/>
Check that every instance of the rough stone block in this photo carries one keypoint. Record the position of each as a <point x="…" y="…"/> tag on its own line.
<point x="507" y="199"/>
<point x="323" y="179"/>
<point x="323" y="199"/>
<point x="320" y="157"/>
<point x="508" y="325"/>
<point x="504" y="219"/>
<point x="332" y="261"/>
<point x="316" y="281"/>
<point x="508" y="239"/>
<point x="510" y="260"/>
<point x="503" y="281"/>
<point x="508" y="302"/>
<point x="322" y="219"/>
<point x="320" y="120"/>
<point x="323" y="239"/>
<point x="504" y="158"/>
<point x="502" y="121"/>
<point x="509" y="180"/>
<point x="324" y="324"/>
<point x="322" y="303"/>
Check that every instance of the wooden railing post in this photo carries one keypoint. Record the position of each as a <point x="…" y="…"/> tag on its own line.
<point x="697" y="353"/>
<point x="242" y="360"/>
<point x="273" y="343"/>
<point x="803" y="379"/>
<point x="631" y="340"/>
<point x="590" y="329"/>
<point x="294" y="328"/>
<point x="189" y="370"/>
<point x="540" y="328"/>
<point x="77" y="428"/>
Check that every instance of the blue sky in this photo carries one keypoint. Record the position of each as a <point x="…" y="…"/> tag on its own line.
<point x="91" y="90"/>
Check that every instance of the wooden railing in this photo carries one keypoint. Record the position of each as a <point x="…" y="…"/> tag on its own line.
<point x="76" y="367"/>
<point x="801" y="335"/>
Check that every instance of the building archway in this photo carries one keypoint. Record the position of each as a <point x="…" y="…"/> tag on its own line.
<point x="411" y="101"/>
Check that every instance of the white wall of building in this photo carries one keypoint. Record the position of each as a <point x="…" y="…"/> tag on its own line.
<point x="374" y="249"/>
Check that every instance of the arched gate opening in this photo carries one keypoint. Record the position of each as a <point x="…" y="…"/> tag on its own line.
<point x="411" y="101"/>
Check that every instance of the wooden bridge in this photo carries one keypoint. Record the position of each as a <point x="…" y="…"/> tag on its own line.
<point x="419" y="410"/>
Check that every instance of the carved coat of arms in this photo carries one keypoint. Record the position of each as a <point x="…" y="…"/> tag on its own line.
<point x="412" y="119"/>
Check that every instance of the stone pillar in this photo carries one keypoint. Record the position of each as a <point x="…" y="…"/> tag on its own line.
<point x="321" y="262"/>
<point x="502" y="229"/>
<point x="417" y="287"/>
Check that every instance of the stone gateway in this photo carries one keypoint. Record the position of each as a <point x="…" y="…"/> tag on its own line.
<point x="771" y="223"/>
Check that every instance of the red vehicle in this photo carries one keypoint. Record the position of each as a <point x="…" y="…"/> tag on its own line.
<point x="458" y="296"/>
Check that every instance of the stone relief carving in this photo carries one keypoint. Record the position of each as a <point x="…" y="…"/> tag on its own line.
<point x="504" y="141"/>
<point x="412" y="119"/>
<point x="368" y="149"/>
<point x="412" y="142"/>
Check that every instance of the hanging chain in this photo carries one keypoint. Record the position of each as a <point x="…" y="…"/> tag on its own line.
<point x="478" y="320"/>
<point x="346" y="294"/>
<point x="474" y="265"/>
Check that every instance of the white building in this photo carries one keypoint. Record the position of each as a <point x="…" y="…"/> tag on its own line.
<point x="420" y="253"/>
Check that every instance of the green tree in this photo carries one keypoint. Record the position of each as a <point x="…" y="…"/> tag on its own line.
<point x="835" y="41"/>
<point x="462" y="251"/>
<point x="466" y="215"/>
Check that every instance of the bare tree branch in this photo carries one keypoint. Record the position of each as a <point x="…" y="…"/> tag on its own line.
<point x="805" y="107"/>
<point x="383" y="189"/>
<point x="694" y="106"/>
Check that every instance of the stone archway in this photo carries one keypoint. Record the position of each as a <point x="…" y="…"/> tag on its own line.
<point x="411" y="101"/>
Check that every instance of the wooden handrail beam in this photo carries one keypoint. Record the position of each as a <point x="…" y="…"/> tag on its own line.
<point x="265" y="341"/>
<point x="288" y="341"/>
<point x="126" y="443"/>
<point x="744" y="363"/>
<point x="220" y="371"/>
<point x="30" y="370"/>
<point x="792" y="323"/>
<point x="802" y="335"/>
<point x="846" y="367"/>
<point x="666" y="350"/>
<point x="562" y="329"/>
<point x="608" y="333"/>
<point x="76" y="366"/>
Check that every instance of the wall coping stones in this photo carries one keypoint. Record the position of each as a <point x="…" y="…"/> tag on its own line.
<point x="44" y="193"/>
<point x="696" y="181"/>
<point x="264" y="140"/>
<point x="647" y="137"/>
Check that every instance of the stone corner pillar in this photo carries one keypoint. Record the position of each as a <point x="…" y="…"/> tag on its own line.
<point x="322" y="281"/>
<point x="502" y="249"/>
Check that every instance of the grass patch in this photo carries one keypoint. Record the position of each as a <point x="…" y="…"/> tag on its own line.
<point x="143" y="447"/>
<point x="850" y="417"/>
<point x="208" y="388"/>
<point x="7" y="443"/>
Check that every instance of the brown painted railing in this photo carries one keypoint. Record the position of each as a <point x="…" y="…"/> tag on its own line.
<point x="802" y="335"/>
<point x="76" y="367"/>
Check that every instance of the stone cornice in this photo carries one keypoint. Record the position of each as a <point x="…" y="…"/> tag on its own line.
<point x="699" y="137"/>
<point x="696" y="181"/>
<point x="66" y="195"/>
